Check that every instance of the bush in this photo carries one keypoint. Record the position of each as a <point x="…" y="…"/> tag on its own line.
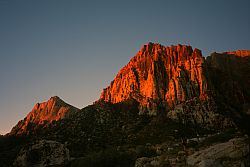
<point x="105" y="158"/>
<point x="142" y="151"/>
<point x="218" y="138"/>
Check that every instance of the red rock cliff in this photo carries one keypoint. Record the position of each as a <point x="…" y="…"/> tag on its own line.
<point x="240" y="53"/>
<point x="158" y="73"/>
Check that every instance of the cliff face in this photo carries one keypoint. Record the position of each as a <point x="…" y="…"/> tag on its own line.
<point x="159" y="74"/>
<point x="42" y="114"/>
<point x="229" y="74"/>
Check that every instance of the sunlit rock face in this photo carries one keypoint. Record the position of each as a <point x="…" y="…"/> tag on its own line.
<point x="159" y="74"/>
<point x="240" y="53"/>
<point x="42" y="114"/>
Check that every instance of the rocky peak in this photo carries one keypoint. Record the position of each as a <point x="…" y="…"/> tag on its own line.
<point x="42" y="114"/>
<point x="159" y="74"/>
<point x="53" y="102"/>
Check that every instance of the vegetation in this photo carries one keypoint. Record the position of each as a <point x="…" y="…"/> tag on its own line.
<point x="105" y="158"/>
<point x="10" y="147"/>
<point x="219" y="137"/>
<point x="115" y="135"/>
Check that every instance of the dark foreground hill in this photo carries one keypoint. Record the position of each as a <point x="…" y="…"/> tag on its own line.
<point x="169" y="106"/>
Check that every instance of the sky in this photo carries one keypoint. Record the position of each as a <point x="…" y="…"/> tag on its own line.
<point x="74" y="48"/>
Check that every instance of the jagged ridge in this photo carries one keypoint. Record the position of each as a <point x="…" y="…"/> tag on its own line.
<point x="163" y="77"/>
<point x="43" y="113"/>
<point x="169" y="75"/>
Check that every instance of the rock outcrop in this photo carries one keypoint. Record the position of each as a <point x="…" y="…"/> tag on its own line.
<point x="42" y="154"/>
<point x="235" y="149"/>
<point x="159" y="76"/>
<point x="241" y="53"/>
<point x="200" y="114"/>
<point x="43" y="114"/>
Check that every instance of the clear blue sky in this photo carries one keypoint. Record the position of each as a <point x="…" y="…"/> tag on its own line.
<point x="74" y="48"/>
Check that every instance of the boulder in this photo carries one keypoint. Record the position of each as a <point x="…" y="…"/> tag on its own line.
<point x="236" y="148"/>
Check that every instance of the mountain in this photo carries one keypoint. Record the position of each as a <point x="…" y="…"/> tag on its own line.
<point x="159" y="74"/>
<point x="43" y="114"/>
<point x="168" y="76"/>
<point x="168" y="106"/>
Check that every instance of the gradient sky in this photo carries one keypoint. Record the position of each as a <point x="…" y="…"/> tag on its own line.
<point x="74" y="48"/>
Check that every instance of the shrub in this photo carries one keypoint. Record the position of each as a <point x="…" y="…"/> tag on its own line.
<point x="105" y="158"/>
